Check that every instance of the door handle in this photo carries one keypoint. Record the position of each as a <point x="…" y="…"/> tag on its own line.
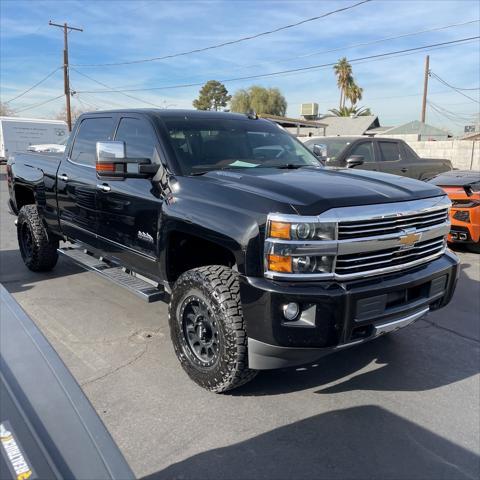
<point x="404" y="169"/>
<point x="104" y="187"/>
<point x="63" y="177"/>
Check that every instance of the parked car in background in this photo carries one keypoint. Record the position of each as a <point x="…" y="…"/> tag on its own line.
<point x="49" y="147"/>
<point x="463" y="188"/>
<point x="389" y="155"/>
<point x="267" y="258"/>
<point x="17" y="134"/>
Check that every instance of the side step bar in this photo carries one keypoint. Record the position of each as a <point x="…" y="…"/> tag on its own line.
<point x="115" y="274"/>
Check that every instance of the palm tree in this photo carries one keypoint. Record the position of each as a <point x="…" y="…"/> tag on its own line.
<point x="354" y="93"/>
<point x="352" y="111"/>
<point x="343" y="71"/>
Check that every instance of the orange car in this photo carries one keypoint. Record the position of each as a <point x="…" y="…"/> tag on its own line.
<point x="463" y="189"/>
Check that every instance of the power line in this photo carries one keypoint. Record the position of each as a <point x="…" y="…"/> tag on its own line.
<point x="293" y="70"/>
<point x="439" y="112"/>
<point x="457" y="114"/>
<point x="34" y="86"/>
<point x="114" y="91"/>
<point x="38" y="104"/>
<point x="442" y="81"/>
<point x="230" y="42"/>
<point x="346" y="47"/>
<point x="364" y="44"/>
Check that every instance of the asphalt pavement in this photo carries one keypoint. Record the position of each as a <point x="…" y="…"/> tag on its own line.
<point x="404" y="406"/>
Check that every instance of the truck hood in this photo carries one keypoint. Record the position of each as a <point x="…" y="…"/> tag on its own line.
<point x="311" y="191"/>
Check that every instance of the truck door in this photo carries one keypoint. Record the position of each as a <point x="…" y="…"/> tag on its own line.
<point x="129" y="209"/>
<point x="391" y="159"/>
<point x="366" y="150"/>
<point x="77" y="180"/>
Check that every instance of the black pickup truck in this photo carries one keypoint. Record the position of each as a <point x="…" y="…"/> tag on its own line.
<point x="267" y="259"/>
<point x="388" y="155"/>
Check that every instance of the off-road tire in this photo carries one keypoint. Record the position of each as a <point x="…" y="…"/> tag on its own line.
<point x="41" y="254"/>
<point x="217" y="287"/>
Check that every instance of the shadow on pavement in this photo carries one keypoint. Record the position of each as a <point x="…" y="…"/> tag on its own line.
<point x="421" y="357"/>
<point x="358" y="442"/>
<point x="16" y="277"/>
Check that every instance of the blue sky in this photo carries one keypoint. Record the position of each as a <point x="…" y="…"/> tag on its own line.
<point x="128" y="30"/>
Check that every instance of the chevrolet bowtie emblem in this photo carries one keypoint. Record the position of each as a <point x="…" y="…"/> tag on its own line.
<point x="409" y="240"/>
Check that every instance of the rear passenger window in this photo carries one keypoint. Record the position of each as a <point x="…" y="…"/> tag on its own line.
<point x="138" y="137"/>
<point x="389" y="151"/>
<point x="91" y="131"/>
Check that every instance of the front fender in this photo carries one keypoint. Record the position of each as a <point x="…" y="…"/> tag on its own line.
<point x="229" y="227"/>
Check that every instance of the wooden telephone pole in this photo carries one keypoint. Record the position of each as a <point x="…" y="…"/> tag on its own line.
<point x="425" y="87"/>
<point x="66" y="79"/>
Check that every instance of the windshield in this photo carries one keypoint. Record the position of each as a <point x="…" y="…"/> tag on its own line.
<point x="204" y="145"/>
<point x="331" y="147"/>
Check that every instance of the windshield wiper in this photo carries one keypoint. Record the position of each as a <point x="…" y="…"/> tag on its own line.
<point x="291" y="166"/>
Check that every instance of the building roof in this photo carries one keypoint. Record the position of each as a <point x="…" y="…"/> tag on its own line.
<point x="376" y="131"/>
<point x="417" y="128"/>
<point x="471" y="136"/>
<point x="292" y="122"/>
<point x="349" y="125"/>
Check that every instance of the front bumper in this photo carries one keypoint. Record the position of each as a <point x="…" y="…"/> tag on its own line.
<point x="336" y="315"/>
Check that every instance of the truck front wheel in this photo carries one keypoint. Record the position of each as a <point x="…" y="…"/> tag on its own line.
<point x="38" y="249"/>
<point x="207" y="328"/>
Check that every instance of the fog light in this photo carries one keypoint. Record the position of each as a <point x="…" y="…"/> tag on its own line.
<point x="291" y="311"/>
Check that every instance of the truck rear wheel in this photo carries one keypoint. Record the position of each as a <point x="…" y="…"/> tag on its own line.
<point x="207" y="328"/>
<point x="37" y="247"/>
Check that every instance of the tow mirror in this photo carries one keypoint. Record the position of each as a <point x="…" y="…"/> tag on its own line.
<point x="320" y="150"/>
<point x="112" y="162"/>
<point x="355" y="161"/>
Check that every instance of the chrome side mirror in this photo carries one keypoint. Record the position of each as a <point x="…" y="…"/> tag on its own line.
<point x="110" y="151"/>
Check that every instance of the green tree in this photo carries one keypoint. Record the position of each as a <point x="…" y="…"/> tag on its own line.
<point x="349" y="90"/>
<point x="354" y="93"/>
<point x="351" y="112"/>
<point x="261" y="100"/>
<point x="6" y="111"/>
<point x="212" y="96"/>
<point x="343" y="72"/>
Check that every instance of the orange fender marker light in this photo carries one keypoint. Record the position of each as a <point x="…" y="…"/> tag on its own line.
<point x="280" y="230"/>
<point x="279" y="263"/>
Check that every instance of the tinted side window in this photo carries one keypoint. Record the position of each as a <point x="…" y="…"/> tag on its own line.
<point x="91" y="131"/>
<point x="366" y="150"/>
<point x="409" y="152"/>
<point x="390" y="151"/>
<point x="138" y="137"/>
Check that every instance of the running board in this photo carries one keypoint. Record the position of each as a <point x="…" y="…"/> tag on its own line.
<point x="115" y="274"/>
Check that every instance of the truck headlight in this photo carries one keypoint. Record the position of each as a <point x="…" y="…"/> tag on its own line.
<point x="303" y="264"/>
<point x="301" y="230"/>
<point x="299" y="246"/>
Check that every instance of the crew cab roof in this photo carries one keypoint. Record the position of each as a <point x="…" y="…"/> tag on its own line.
<point x="174" y="113"/>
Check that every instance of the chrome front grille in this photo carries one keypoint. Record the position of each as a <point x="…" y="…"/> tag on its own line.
<point x="391" y="224"/>
<point x="362" y="263"/>
<point x="369" y="240"/>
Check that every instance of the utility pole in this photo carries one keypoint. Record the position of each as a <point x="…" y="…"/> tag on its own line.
<point x="66" y="79"/>
<point x="425" y="87"/>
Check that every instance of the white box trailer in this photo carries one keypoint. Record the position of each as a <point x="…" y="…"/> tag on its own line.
<point x="16" y="134"/>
